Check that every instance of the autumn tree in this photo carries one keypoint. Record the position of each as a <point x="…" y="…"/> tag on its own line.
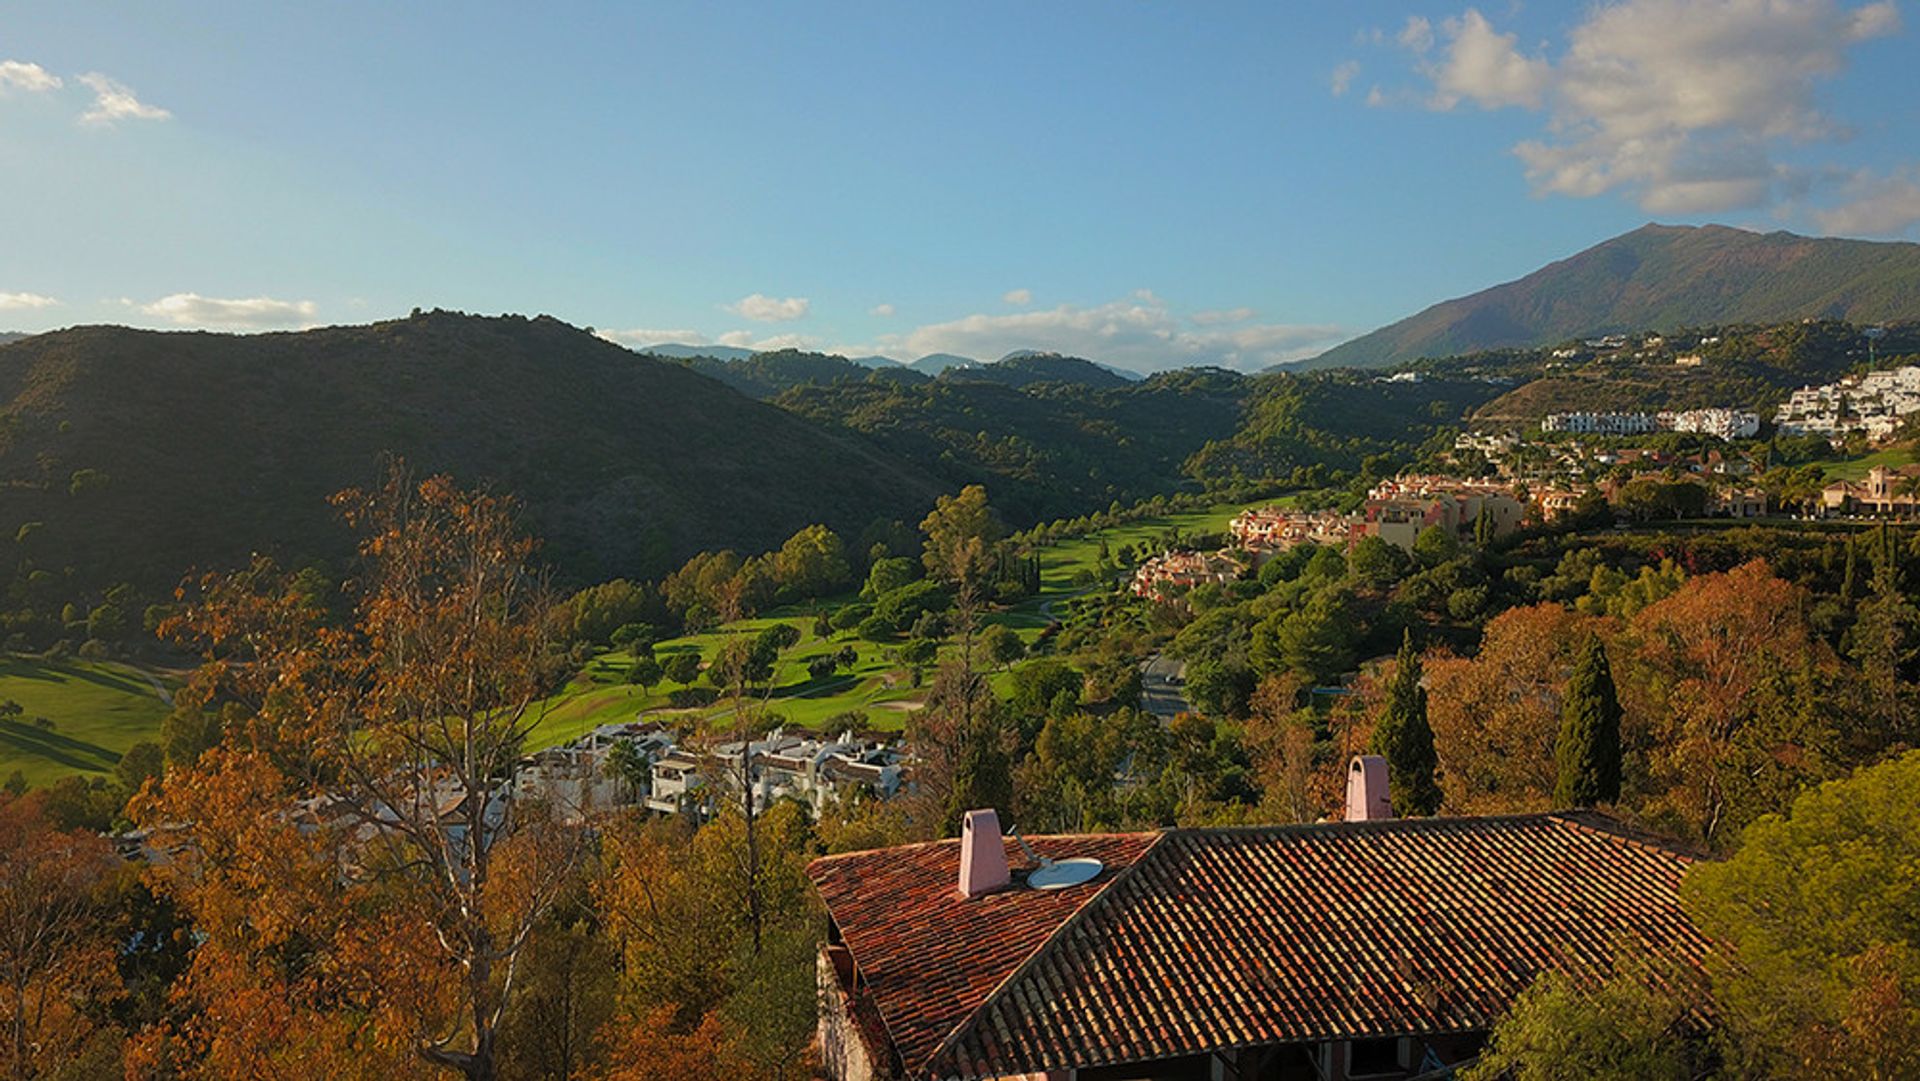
<point x="361" y="816"/>
<point x="961" y="532"/>
<point x="56" y="950"/>
<point x="1742" y="701"/>
<point x="1588" y="748"/>
<point x="1401" y="736"/>
<point x="1496" y="715"/>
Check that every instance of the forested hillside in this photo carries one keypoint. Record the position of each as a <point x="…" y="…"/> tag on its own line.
<point x="137" y="455"/>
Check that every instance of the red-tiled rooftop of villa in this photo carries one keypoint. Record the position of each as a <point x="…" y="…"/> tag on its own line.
<point x="1194" y="940"/>
<point x="927" y="956"/>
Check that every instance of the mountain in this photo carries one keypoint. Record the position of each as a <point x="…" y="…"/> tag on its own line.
<point x="935" y="363"/>
<point x="681" y="352"/>
<point x="763" y="375"/>
<point x="144" y="454"/>
<point x="1026" y="368"/>
<point x="7" y="336"/>
<point x="1658" y="277"/>
<point x="878" y="362"/>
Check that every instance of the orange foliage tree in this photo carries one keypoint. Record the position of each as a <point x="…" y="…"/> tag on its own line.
<point x="1495" y="715"/>
<point x="56" y="952"/>
<point x="364" y="882"/>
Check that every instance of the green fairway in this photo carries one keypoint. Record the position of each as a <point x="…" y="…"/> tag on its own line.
<point x="1856" y="468"/>
<point x="98" y="710"/>
<point x="876" y="688"/>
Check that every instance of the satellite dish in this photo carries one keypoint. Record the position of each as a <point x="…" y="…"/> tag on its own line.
<point x="1055" y="874"/>
<point x="1059" y="874"/>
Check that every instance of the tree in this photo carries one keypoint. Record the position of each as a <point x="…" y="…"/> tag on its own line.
<point x="1376" y="564"/>
<point x="1588" y="749"/>
<point x="1002" y="645"/>
<point x="1434" y="546"/>
<point x="812" y="563"/>
<point x="961" y="531"/>
<point x="1402" y="737"/>
<point x="887" y="575"/>
<point x="682" y="667"/>
<point x="1818" y="908"/>
<point x="56" y="950"/>
<point x="1631" y="1027"/>
<point x="400" y="728"/>
<point x="644" y="673"/>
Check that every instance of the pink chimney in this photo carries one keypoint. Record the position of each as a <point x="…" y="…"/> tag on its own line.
<point x="1367" y="799"/>
<point x="983" y="855"/>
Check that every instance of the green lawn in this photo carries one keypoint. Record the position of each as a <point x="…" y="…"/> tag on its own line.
<point x="1856" y="468"/>
<point x="98" y="710"/>
<point x="879" y="690"/>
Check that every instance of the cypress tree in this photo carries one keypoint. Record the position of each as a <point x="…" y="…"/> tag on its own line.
<point x="1403" y="737"/>
<point x="1588" y="749"/>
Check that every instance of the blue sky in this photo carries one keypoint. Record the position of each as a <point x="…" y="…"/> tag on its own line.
<point x="1148" y="185"/>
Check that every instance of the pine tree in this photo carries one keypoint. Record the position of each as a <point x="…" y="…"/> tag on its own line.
<point x="1588" y="749"/>
<point x="1846" y="582"/>
<point x="1403" y="737"/>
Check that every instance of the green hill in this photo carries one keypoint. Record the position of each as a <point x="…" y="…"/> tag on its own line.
<point x="1661" y="278"/>
<point x="1027" y="369"/>
<point x="143" y="454"/>
<point x="764" y="375"/>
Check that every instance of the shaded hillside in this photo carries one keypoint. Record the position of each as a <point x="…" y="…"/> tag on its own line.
<point x="146" y="453"/>
<point x="763" y="375"/>
<point x="1305" y="427"/>
<point x="1659" y="277"/>
<point x="1027" y="369"/>
<point x="1044" y="451"/>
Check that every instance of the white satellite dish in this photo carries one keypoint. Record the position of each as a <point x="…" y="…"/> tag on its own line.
<point x="1059" y="874"/>
<point x="1055" y="874"/>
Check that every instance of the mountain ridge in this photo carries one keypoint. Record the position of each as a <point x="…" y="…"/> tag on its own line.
<point x="1661" y="278"/>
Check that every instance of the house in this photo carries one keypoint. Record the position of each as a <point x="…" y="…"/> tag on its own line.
<point x="815" y="771"/>
<point x="1170" y="573"/>
<point x="1739" y="503"/>
<point x="1881" y="491"/>
<point x="1371" y="947"/>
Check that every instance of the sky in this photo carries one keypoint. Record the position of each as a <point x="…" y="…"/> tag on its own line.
<point x="1148" y="185"/>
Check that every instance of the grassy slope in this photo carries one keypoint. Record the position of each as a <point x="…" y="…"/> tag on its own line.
<point x="1856" y="468"/>
<point x="596" y="696"/>
<point x="98" y="711"/>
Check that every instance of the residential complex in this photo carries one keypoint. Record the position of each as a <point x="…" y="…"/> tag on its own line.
<point x="1876" y="404"/>
<point x="1881" y="491"/>
<point x="1170" y="574"/>
<point x="1720" y="423"/>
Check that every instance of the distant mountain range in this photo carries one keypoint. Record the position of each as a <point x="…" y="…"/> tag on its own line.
<point x="931" y="364"/>
<point x="12" y="336"/>
<point x="1658" y="277"/>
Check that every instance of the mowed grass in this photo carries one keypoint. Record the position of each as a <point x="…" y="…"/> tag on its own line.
<point x="98" y="710"/>
<point x="876" y="688"/>
<point x="1856" y="468"/>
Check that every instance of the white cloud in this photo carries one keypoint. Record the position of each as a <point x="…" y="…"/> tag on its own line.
<point x="194" y="310"/>
<point x="883" y="311"/>
<point x="1019" y="298"/>
<point x="1216" y="316"/>
<point x="20" y="75"/>
<point x="1875" y="206"/>
<point x="114" y="101"/>
<point x="765" y="309"/>
<point x="1483" y="66"/>
<point x="747" y="339"/>
<point x="1141" y="332"/>
<point x="1416" y="35"/>
<point x="640" y="337"/>
<point x="14" y="302"/>
<point x="1679" y="105"/>
<point x="1343" y="76"/>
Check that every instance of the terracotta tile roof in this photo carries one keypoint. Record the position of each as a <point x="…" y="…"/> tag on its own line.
<point x="927" y="956"/>
<point x="1222" y="938"/>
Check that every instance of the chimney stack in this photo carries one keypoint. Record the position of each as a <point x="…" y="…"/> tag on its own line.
<point x="1367" y="799"/>
<point x="983" y="855"/>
